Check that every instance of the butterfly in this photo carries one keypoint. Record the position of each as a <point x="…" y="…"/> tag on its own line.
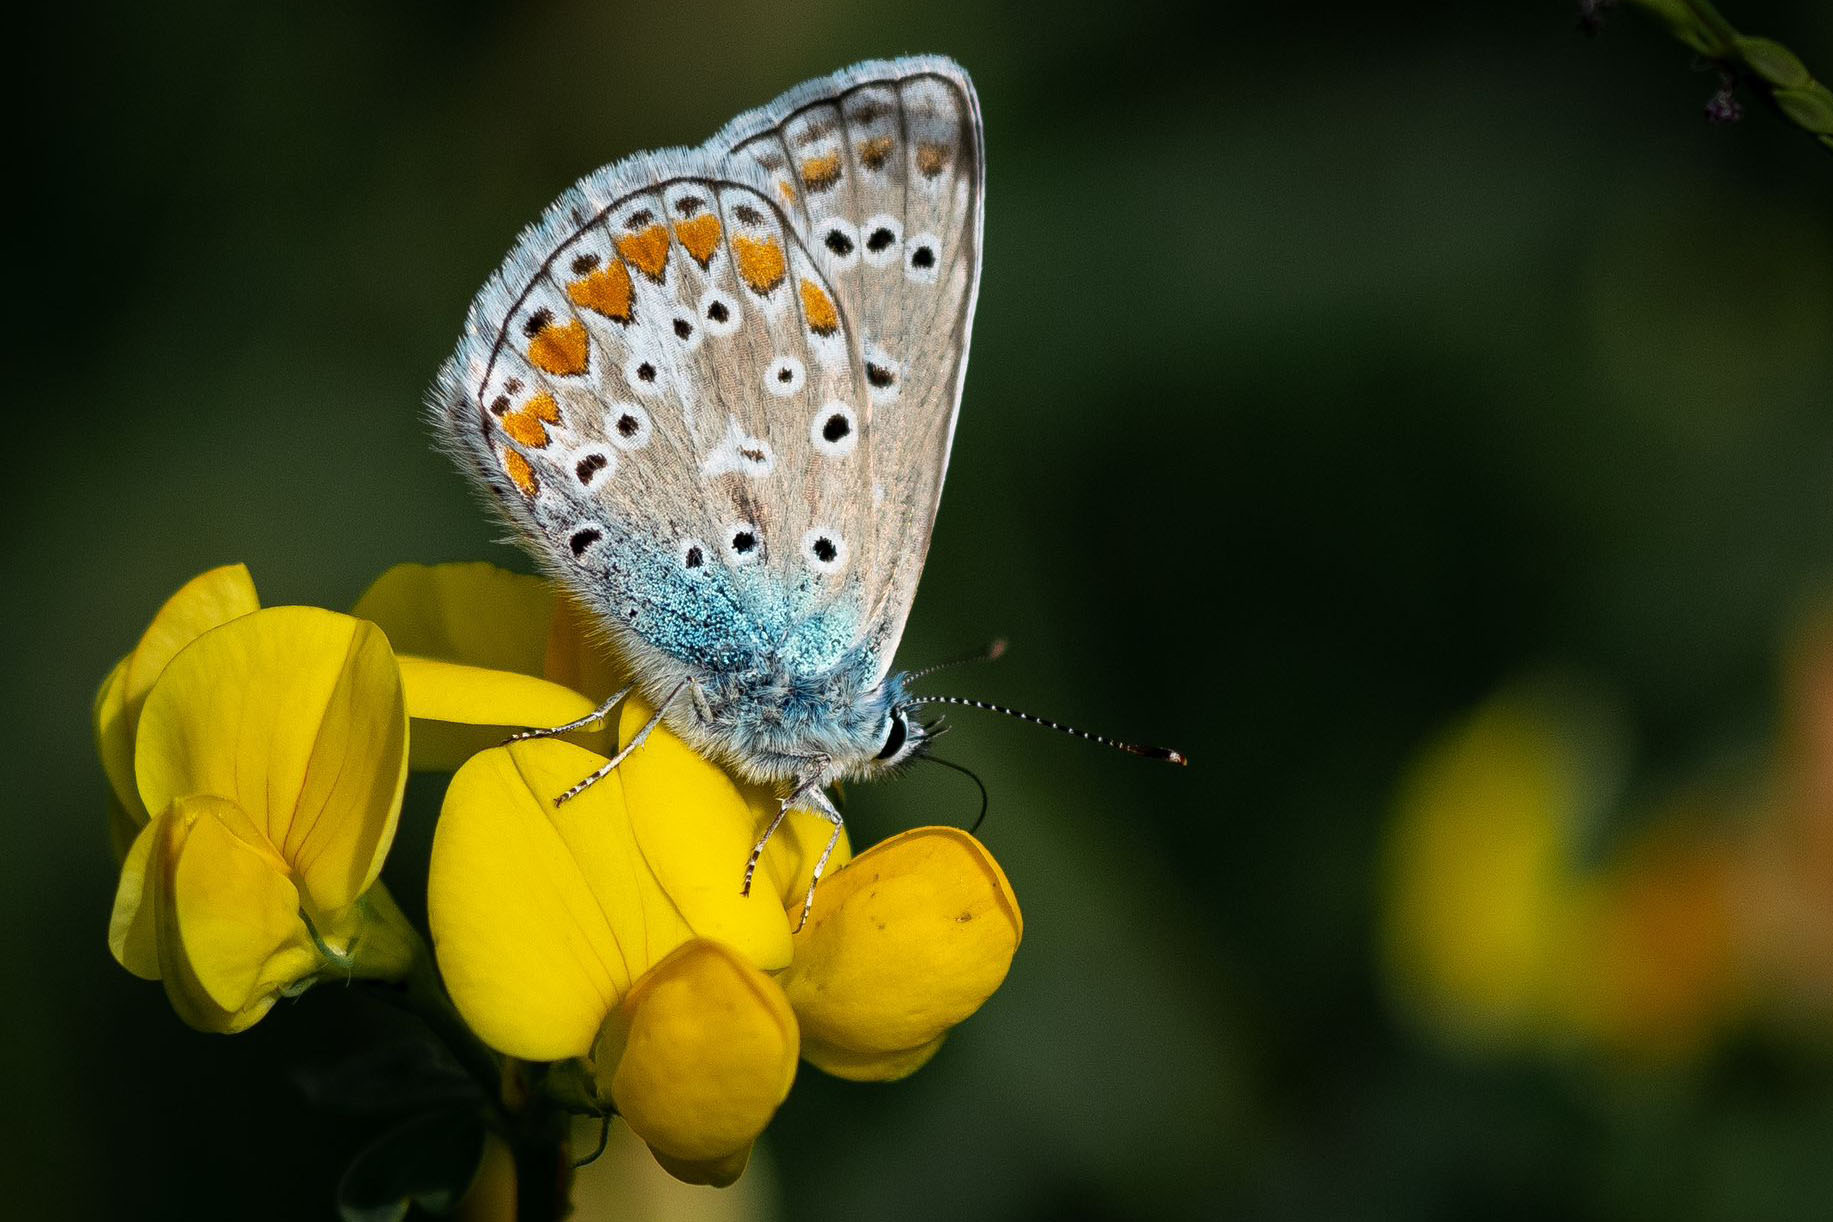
<point x="713" y="391"/>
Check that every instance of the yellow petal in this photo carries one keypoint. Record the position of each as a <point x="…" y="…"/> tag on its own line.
<point x="132" y="937"/>
<point x="697" y="829"/>
<point x="295" y="714"/>
<point x="1486" y="912"/>
<point x="576" y="655"/>
<point x="707" y="1172"/>
<point x="475" y="614"/>
<point x="905" y="942"/>
<point x="230" y="939"/>
<point x="542" y="916"/>
<point x="459" y="710"/>
<point x="473" y="695"/>
<point x="122" y="827"/>
<point x="857" y="1066"/>
<point x="577" y="658"/>
<point x="698" y="1058"/>
<point x="204" y="602"/>
<point x="114" y="742"/>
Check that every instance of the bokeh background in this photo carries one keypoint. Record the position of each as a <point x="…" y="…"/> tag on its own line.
<point x="1363" y="398"/>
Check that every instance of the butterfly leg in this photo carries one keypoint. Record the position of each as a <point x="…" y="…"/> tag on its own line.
<point x="590" y="719"/>
<point x="636" y="741"/>
<point x="826" y="810"/>
<point x="797" y="795"/>
<point x="808" y="796"/>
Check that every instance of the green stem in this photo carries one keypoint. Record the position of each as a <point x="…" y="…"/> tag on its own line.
<point x="536" y="1128"/>
<point x="539" y="1137"/>
<point x="1804" y="101"/>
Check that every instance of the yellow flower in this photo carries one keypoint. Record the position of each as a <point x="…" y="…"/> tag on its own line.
<point x="259" y="755"/>
<point x="477" y="647"/>
<point x="1498" y="935"/>
<point x="611" y="929"/>
<point x="213" y="598"/>
<point x="1483" y="901"/>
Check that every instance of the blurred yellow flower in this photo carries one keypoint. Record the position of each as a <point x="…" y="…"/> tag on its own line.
<point x="1483" y="903"/>
<point x="267" y="751"/>
<point x="1499" y="936"/>
<point x="611" y="929"/>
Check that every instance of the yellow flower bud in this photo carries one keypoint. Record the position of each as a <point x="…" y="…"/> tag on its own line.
<point x="697" y="1058"/>
<point x="911" y="937"/>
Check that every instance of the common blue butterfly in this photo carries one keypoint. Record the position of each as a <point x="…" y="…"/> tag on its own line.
<point x="714" y="390"/>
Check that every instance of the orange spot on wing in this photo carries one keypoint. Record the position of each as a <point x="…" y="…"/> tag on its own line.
<point x="699" y="237"/>
<point x="760" y="261"/>
<point x="560" y="348"/>
<point x="818" y="308"/>
<point x="520" y="472"/>
<point x="820" y="173"/>
<point x="789" y="192"/>
<point x="647" y="251"/>
<point x="527" y="424"/>
<point x="875" y="152"/>
<point x="931" y="159"/>
<point x="606" y="291"/>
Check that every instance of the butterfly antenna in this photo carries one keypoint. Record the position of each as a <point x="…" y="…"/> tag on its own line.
<point x="1156" y="753"/>
<point x="992" y="651"/>
<point x="978" y="784"/>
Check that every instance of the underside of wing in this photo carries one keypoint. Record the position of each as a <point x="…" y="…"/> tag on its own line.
<point x="882" y="169"/>
<point x="661" y="391"/>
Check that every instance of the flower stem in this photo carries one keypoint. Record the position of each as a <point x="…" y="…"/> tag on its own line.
<point x="1800" y="98"/>
<point x="539" y="1138"/>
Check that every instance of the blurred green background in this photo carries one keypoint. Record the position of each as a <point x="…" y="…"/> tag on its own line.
<point x="1335" y="364"/>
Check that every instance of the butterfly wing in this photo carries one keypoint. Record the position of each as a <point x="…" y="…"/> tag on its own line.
<point x="882" y="168"/>
<point x="660" y="393"/>
<point x="722" y="428"/>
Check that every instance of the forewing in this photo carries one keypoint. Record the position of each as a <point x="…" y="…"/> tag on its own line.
<point x="882" y="167"/>
<point x="662" y="394"/>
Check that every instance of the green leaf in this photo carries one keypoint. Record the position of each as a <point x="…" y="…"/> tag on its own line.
<point x="428" y="1161"/>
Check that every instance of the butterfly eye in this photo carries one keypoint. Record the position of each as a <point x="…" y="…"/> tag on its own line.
<point x="895" y="735"/>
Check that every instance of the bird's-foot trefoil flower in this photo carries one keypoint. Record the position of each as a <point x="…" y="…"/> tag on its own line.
<point x="610" y="931"/>
<point x="266" y="751"/>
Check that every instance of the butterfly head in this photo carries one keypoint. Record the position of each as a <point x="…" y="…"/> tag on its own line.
<point x="887" y="735"/>
<point x="904" y="740"/>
